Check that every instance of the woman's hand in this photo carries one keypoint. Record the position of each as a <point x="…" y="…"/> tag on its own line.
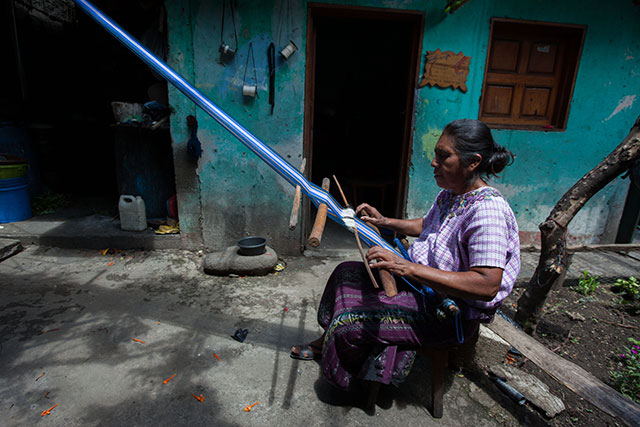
<point x="370" y="214"/>
<point x="388" y="261"/>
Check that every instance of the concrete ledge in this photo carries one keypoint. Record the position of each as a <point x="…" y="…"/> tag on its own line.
<point x="91" y="232"/>
<point x="9" y="247"/>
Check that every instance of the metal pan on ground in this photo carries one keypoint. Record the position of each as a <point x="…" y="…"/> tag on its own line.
<point x="251" y="246"/>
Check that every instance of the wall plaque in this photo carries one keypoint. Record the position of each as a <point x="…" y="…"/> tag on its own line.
<point x="446" y="69"/>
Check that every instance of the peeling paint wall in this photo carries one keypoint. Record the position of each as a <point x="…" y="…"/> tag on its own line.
<point x="229" y="193"/>
<point x="603" y="109"/>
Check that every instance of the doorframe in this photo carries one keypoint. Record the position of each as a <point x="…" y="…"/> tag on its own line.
<point x="413" y="17"/>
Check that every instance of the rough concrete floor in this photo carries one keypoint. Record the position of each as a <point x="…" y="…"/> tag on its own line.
<point x="68" y="319"/>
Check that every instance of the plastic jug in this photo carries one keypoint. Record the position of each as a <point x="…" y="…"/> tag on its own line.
<point x="133" y="216"/>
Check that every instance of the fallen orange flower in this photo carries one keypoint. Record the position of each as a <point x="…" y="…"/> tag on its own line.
<point x="168" y="379"/>
<point x="248" y="407"/>
<point x="200" y="398"/>
<point x="48" y="411"/>
<point x="216" y="356"/>
<point x="137" y="340"/>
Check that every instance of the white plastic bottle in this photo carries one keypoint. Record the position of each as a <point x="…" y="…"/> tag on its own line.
<point x="133" y="216"/>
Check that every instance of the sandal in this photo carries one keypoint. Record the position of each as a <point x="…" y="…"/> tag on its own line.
<point x="307" y="352"/>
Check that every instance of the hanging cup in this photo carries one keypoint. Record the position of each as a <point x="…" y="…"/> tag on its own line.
<point x="225" y="49"/>
<point x="288" y="50"/>
<point x="250" y="91"/>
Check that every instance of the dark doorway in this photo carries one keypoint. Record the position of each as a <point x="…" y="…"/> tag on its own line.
<point x="361" y="74"/>
<point x="62" y="73"/>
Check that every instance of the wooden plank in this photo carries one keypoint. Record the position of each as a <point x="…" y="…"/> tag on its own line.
<point x="572" y="376"/>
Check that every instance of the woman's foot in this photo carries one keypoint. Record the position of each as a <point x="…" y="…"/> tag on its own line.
<point x="310" y="351"/>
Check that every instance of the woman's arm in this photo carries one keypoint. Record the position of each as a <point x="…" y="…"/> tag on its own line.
<point x="409" y="227"/>
<point x="480" y="283"/>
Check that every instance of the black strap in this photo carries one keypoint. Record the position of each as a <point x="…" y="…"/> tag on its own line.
<point x="271" y="56"/>
<point x="233" y="19"/>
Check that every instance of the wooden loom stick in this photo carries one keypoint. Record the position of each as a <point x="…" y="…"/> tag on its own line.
<point x="321" y="219"/>
<point x="388" y="282"/>
<point x="293" y="221"/>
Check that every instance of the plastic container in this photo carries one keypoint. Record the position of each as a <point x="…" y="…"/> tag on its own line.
<point x="12" y="166"/>
<point x="253" y="245"/>
<point x="133" y="216"/>
<point x="15" y="203"/>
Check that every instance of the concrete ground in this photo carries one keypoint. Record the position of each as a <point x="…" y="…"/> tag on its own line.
<point x="69" y="317"/>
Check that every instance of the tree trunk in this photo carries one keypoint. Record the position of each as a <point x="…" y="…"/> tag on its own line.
<point x="553" y="256"/>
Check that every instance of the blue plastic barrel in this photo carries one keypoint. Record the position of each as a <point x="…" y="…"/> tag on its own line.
<point x="15" y="204"/>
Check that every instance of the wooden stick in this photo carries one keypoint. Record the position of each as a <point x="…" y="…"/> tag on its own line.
<point x="293" y="221"/>
<point x="388" y="282"/>
<point x="346" y="203"/>
<point x="622" y="325"/>
<point x="321" y="218"/>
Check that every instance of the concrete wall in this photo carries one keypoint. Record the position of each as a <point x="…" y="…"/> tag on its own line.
<point x="235" y="194"/>
<point x="229" y="193"/>
<point x="606" y="102"/>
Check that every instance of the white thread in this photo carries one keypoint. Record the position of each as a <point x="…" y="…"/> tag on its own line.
<point x="348" y="218"/>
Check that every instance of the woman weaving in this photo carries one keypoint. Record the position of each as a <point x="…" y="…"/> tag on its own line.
<point x="467" y="249"/>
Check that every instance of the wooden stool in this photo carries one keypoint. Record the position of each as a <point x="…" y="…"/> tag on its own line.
<point x="464" y="354"/>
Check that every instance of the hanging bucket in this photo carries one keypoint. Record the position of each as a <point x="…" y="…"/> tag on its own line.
<point x="250" y="91"/>
<point x="15" y="204"/>
<point x="288" y="50"/>
<point x="226" y="50"/>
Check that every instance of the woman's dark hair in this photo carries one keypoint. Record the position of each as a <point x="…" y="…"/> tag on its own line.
<point x="471" y="137"/>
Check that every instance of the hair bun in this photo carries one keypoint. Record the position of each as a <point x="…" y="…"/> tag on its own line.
<point x="500" y="158"/>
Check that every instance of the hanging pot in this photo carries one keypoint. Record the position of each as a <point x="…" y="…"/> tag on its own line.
<point x="250" y="90"/>
<point x="288" y="50"/>
<point x="226" y="50"/>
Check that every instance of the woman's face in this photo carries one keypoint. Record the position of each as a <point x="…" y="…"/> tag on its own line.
<point x="448" y="170"/>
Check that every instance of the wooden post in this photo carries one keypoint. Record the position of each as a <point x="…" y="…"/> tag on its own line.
<point x="321" y="218"/>
<point x="293" y="221"/>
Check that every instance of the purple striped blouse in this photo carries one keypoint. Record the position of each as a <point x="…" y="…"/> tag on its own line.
<point x="475" y="229"/>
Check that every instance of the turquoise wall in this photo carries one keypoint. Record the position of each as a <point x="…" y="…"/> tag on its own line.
<point x="229" y="193"/>
<point x="237" y="194"/>
<point x="548" y="163"/>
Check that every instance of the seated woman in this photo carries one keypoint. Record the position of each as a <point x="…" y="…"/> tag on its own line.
<point x="467" y="249"/>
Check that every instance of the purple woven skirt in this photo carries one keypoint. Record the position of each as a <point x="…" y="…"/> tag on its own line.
<point x="373" y="337"/>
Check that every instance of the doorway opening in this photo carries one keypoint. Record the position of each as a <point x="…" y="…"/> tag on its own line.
<point x="362" y="67"/>
<point x="60" y="118"/>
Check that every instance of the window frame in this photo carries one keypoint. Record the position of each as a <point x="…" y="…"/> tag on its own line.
<point x="566" y="81"/>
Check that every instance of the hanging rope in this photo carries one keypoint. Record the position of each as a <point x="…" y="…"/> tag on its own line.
<point x="225" y="49"/>
<point x="246" y="67"/>
<point x="286" y="16"/>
